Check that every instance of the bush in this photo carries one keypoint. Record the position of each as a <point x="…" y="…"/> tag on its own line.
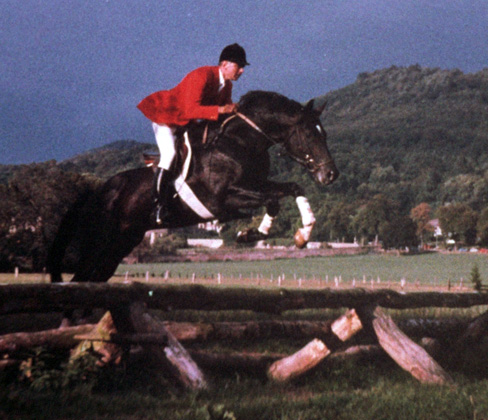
<point x="476" y="278"/>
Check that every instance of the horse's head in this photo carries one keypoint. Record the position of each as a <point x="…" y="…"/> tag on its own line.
<point x="307" y="144"/>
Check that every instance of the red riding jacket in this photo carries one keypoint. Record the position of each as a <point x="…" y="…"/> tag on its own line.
<point x="197" y="96"/>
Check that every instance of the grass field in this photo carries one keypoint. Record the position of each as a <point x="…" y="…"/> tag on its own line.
<point x="424" y="269"/>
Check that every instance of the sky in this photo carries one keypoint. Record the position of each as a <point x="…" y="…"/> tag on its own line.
<point x="73" y="71"/>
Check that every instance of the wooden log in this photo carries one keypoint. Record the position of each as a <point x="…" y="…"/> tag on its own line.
<point x="447" y="330"/>
<point x="475" y="332"/>
<point x="409" y="355"/>
<point x="238" y="361"/>
<point x="8" y="363"/>
<point x="346" y="326"/>
<point x="174" y="358"/>
<point x="18" y="298"/>
<point x="62" y="338"/>
<point x="314" y="352"/>
<point x="256" y="363"/>
<point x="249" y="330"/>
<point x="298" y="363"/>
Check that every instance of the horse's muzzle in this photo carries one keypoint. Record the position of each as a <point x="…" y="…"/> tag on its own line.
<point x="326" y="175"/>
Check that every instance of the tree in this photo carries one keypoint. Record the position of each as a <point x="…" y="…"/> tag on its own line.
<point x="482" y="227"/>
<point x="421" y="216"/>
<point x="334" y="222"/>
<point x="459" y="221"/>
<point x="367" y="221"/>
<point x="36" y="199"/>
<point x="399" y="232"/>
<point x="476" y="278"/>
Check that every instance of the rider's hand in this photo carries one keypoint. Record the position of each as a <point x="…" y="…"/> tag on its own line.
<point x="228" y="109"/>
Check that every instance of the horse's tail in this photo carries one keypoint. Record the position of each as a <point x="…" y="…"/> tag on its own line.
<point x="66" y="232"/>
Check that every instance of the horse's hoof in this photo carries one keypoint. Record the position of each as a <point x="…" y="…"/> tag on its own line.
<point x="250" y="235"/>
<point x="299" y="239"/>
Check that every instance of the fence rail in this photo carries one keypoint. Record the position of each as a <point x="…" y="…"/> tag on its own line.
<point x="19" y="298"/>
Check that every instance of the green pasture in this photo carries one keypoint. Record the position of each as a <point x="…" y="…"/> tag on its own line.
<point x="427" y="269"/>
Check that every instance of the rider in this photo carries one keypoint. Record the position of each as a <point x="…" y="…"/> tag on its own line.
<point x="203" y="94"/>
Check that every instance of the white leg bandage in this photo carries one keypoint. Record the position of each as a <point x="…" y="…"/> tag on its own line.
<point x="266" y="224"/>
<point x="308" y="218"/>
<point x="306" y="211"/>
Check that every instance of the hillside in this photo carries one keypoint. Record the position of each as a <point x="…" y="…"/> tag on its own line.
<point x="417" y="134"/>
<point x="107" y="160"/>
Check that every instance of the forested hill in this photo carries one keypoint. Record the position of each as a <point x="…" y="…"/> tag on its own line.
<point x="110" y="159"/>
<point x="414" y="133"/>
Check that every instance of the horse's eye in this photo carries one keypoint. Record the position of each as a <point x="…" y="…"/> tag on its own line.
<point x="319" y="128"/>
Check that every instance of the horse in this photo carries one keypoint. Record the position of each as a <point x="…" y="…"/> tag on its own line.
<point x="227" y="173"/>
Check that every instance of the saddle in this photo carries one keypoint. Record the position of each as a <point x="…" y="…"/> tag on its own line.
<point x="184" y="139"/>
<point x="181" y="170"/>
<point x="181" y="164"/>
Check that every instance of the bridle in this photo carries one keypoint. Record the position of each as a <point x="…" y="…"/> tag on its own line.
<point x="307" y="161"/>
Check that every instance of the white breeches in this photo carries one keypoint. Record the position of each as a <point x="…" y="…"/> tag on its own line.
<point x="165" y="139"/>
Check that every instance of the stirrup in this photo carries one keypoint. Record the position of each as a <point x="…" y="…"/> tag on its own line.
<point x="157" y="214"/>
<point x="160" y="212"/>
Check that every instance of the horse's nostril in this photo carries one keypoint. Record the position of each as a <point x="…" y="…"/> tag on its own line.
<point x="333" y="176"/>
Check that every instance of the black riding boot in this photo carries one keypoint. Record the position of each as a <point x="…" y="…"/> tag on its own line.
<point x="161" y="193"/>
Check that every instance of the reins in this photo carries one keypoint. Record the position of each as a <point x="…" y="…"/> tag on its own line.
<point x="308" y="161"/>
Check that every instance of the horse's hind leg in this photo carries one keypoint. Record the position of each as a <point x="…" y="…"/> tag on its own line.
<point x="262" y="232"/>
<point x="100" y="265"/>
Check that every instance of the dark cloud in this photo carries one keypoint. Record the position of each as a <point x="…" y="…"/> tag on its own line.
<point x="73" y="72"/>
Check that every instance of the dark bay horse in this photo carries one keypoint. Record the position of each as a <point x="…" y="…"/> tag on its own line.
<point x="227" y="174"/>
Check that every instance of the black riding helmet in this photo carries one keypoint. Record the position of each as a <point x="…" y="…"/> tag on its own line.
<point x="234" y="53"/>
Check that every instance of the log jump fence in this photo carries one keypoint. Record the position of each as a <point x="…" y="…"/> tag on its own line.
<point x="129" y="321"/>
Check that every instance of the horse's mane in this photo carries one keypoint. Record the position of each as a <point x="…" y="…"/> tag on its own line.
<point x="258" y="102"/>
<point x="254" y="104"/>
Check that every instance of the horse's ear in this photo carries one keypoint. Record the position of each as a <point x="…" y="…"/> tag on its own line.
<point x="309" y="106"/>
<point x="320" y="109"/>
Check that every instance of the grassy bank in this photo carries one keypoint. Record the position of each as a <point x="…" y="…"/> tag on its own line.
<point x="369" y="391"/>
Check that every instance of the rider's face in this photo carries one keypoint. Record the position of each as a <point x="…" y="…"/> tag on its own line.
<point x="231" y="70"/>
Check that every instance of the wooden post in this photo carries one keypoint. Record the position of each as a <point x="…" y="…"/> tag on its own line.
<point x="409" y="355"/>
<point x="173" y="357"/>
<point x="97" y="339"/>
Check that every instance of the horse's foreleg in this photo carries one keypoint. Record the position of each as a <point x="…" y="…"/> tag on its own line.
<point x="302" y="235"/>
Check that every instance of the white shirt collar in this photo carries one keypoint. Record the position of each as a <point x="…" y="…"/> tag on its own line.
<point x="221" y="80"/>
